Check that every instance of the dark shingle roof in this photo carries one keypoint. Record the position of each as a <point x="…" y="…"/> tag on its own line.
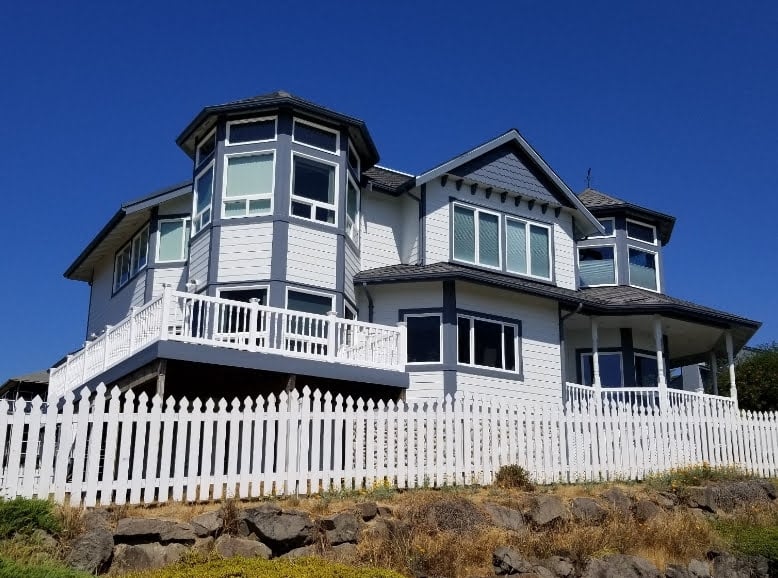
<point x="593" y="199"/>
<point x="387" y="179"/>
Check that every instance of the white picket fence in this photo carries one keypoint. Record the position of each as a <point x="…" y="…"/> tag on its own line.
<point x="115" y="448"/>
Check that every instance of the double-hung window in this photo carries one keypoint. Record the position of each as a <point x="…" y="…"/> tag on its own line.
<point x="487" y="343"/>
<point x="131" y="258"/>
<point x="528" y="248"/>
<point x="248" y="184"/>
<point x="352" y="210"/>
<point x="476" y="236"/>
<point x="313" y="189"/>
<point x="424" y="332"/>
<point x="203" y="194"/>
<point x="173" y="240"/>
<point x="597" y="265"/>
<point x="643" y="269"/>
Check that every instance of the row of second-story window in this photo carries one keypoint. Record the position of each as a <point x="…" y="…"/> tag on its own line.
<point x="172" y="247"/>
<point x="636" y="230"/>
<point x="477" y="239"/>
<point x="249" y="180"/>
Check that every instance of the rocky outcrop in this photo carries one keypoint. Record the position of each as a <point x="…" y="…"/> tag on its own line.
<point x="340" y="528"/>
<point x="645" y="510"/>
<point x="135" y="557"/>
<point x="208" y="524"/>
<point x="587" y="511"/>
<point x="620" y="502"/>
<point x="281" y="530"/>
<point x="505" y="518"/>
<point x="547" y="510"/>
<point x="620" y="566"/>
<point x="145" y="530"/>
<point x="726" y="497"/>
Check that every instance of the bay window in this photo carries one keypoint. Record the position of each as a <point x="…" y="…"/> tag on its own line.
<point x="251" y="131"/>
<point x="313" y="189"/>
<point x="203" y="193"/>
<point x="131" y="258"/>
<point x="316" y="136"/>
<point x="476" y="236"/>
<point x="597" y="266"/>
<point x="528" y="248"/>
<point x="173" y="240"/>
<point x="641" y="232"/>
<point x="248" y="185"/>
<point x="352" y="210"/>
<point x="487" y="343"/>
<point x="643" y="269"/>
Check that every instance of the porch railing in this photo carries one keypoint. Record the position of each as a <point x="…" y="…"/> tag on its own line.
<point x="647" y="397"/>
<point x="217" y="322"/>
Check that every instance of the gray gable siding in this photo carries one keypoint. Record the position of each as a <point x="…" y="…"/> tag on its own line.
<point x="502" y="169"/>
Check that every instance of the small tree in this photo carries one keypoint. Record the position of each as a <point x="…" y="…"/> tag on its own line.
<point x="756" y="375"/>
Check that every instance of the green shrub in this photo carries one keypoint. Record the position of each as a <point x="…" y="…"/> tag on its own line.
<point x="279" y="568"/>
<point x="23" y="515"/>
<point x="750" y="539"/>
<point x="513" y="476"/>
<point x="697" y="475"/>
<point x="9" y="569"/>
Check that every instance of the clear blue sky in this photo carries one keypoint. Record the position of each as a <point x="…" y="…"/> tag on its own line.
<point x="672" y="104"/>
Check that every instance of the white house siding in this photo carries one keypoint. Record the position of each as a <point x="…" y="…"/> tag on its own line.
<point x="179" y="206"/>
<point x="381" y="230"/>
<point x="105" y="309"/>
<point x="174" y="276"/>
<point x="389" y="299"/>
<point x="424" y="385"/>
<point x="437" y="226"/>
<point x="351" y="269"/>
<point x="540" y="352"/>
<point x="410" y="230"/>
<point x="311" y="257"/>
<point x="199" y="253"/>
<point x="245" y="252"/>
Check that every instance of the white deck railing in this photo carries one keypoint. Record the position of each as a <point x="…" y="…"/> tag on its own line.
<point x="648" y="397"/>
<point x="217" y="322"/>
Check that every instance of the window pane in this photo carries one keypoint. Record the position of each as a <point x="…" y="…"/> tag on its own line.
<point x="250" y="175"/>
<point x="608" y="226"/>
<point x="301" y="210"/>
<point x="236" y="318"/>
<point x="463" y="339"/>
<point x="538" y="244"/>
<point x="516" y="244"/>
<point x="642" y="269"/>
<point x="245" y="295"/>
<point x="235" y="208"/>
<point x="317" y="137"/>
<point x="610" y="369"/>
<point x="646" y="372"/>
<point x="325" y="215"/>
<point x="488" y="240"/>
<point x="315" y="181"/>
<point x="309" y="303"/>
<point x="488" y="343"/>
<point x="464" y="234"/>
<point x="509" y="346"/>
<point x="206" y="148"/>
<point x="259" y="206"/>
<point x="204" y="188"/>
<point x="640" y="232"/>
<point x="596" y="266"/>
<point x="423" y="338"/>
<point x="352" y="201"/>
<point x="252" y="131"/>
<point x="171" y="240"/>
<point x="353" y="159"/>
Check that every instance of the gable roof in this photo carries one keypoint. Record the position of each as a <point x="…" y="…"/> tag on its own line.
<point x="587" y="223"/>
<point x="206" y="118"/>
<point x="602" y="205"/>
<point x="387" y="180"/>
<point x="128" y="218"/>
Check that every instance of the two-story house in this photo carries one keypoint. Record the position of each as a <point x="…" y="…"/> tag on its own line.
<point x="291" y="258"/>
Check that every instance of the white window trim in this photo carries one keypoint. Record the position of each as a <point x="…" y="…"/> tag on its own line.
<point x="613" y="234"/>
<point x="131" y="244"/>
<point x="642" y="224"/>
<point x="347" y="307"/>
<point x="210" y="136"/>
<point x="440" y="333"/>
<point x="184" y="239"/>
<point x="516" y="349"/>
<point x="309" y="292"/>
<point x="270" y="195"/>
<point x="314" y="204"/>
<point x="230" y="123"/>
<point x="586" y="354"/>
<point x="615" y="264"/>
<point x="528" y="223"/>
<point x="320" y="127"/>
<point x="656" y="269"/>
<point x="477" y="225"/>
<point x="352" y="149"/>
<point x="355" y="226"/>
<point x="195" y="215"/>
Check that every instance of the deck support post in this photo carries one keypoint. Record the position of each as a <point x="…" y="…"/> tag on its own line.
<point x="660" y="362"/>
<point x="714" y="370"/>
<point x="731" y="363"/>
<point x="596" y="383"/>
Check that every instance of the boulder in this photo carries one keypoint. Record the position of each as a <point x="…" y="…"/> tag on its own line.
<point x="666" y="500"/>
<point x="204" y="544"/>
<point x="344" y="552"/>
<point x="587" y="511"/>
<point x="620" y="566"/>
<point x="367" y="510"/>
<point x="677" y="571"/>
<point x="620" y="502"/>
<point x="301" y="552"/>
<point x="645" y="510"/>
<point x="560" y="566"/>
<point x="547" y="510"/>
<point x="145" y="530"/>
<point x="505" y="518"/>
<point x="385" y="511"/>
<point x="282" y="531"/>
<point x="96" y="518"/>
<point x="508" y="561"/>
<point x="44" y="540"/>
<point x="136" y="557"/>
<point x="232" y="546"/>
<point x="340" y="528"/>
<point x="731" y="567"/>
<point x="208" y="524"/>
<point x="727" y="496"/>
<point x="92" y="551"/>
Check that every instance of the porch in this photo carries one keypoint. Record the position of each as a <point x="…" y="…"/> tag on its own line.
<point x="213" y="326"/>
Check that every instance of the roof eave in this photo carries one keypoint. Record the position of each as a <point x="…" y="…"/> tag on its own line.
<point x="115" y="220"/>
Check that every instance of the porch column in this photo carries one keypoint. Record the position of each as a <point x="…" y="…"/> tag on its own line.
<point x="731" y="362"/>
<point x="595" y="355"/>
<point x="660" y="361"/>
<point x="714" y="366"/>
